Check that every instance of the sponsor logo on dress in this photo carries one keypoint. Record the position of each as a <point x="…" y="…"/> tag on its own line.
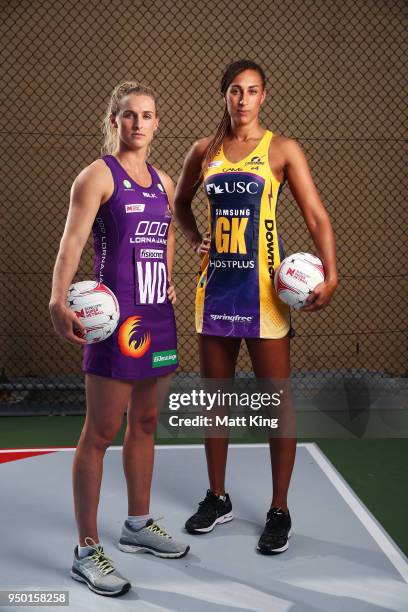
<point x="216" y="163"/>
<point x="146" y="194"/>
<point x="134" y="341"/>
<point x="250" y="187"/>
<point x="256" y="161"/>
<point x="235" y="264"/>
<point x="134" y="208"/>
<point x="164" y="358"/>
<point x="102" y="228"/>
<point x="151" y="254"/>
<point x="150" y="231"/>
<point x="232" y="212"/>
<point x="127" y="185"/>
<point x="160" y="186"/>
<point x="269" y="235"/>
<point x="234" y="318"/>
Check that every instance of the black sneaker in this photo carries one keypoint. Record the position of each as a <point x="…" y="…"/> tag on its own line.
<point x="274" y="538"/>
<point x="211" y="511"/>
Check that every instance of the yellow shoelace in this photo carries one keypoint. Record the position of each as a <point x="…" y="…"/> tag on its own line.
<point x="155" y="528"/>
<point x="102" y="561"/>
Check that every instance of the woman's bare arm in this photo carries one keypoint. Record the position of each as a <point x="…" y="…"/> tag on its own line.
<point x="187" y="185"/>
<point x="317" y="220"/>
<point x="87" y="192"/>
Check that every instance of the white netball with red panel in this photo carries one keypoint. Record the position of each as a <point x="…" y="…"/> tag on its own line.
<point x="296" y="277"/>
<point x="96" y="307"/>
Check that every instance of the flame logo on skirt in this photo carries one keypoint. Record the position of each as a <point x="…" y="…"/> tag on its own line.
<point x="131" y="343"/>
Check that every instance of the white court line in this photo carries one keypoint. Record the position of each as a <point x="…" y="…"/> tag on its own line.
<point x="157" y="446"/>
<point x="389" y="548"/>
<point x="36" y="450"/>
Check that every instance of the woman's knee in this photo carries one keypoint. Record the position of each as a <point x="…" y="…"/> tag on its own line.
<point x="99" y="439"/>
<point x="145" y="422"/>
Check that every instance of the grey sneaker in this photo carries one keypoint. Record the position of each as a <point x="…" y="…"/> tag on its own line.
<point x="98" y="572"/>
<point x="151" y="539"/>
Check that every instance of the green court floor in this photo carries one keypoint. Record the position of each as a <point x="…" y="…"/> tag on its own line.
<point x="376" y="469"/>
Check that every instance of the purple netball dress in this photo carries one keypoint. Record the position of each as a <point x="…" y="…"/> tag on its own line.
<point x="130" y="257"/>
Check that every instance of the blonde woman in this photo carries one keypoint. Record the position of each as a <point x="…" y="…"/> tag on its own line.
<point x="128" y="205"/>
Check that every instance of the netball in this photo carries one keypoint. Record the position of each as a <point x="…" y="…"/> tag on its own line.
<point x="296" y="277"/>
<point x="96" y="307"/>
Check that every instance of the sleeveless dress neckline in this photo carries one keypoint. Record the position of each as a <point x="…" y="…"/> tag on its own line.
<point x="250" y="154"/>
<point x="149" y="168"/>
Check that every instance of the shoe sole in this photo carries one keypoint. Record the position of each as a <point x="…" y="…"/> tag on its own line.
<point x="276" y="551"/>
<point x="129" y="548"/>
<point x="225" y="518"/>
<point x="80" y="578"/>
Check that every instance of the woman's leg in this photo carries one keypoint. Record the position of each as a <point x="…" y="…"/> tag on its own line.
<point x="106" y="401"/>
<point x="138" y="534"/>
<point x="218" y="357"/>
<point x="138" y="448"/>
<point x="270" y="360"/>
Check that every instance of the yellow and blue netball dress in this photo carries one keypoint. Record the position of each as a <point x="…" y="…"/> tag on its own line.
<point x="130" y="247"/>
<point x="235" y="292"/>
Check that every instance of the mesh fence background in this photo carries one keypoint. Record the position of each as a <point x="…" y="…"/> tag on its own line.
<point x="335" y="83"/>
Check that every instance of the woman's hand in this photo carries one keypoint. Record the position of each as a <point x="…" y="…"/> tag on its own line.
<point x="171" y="294"/>
<point x="67" y="324"/>
<point x="203" y="247"/>
<point x="320" y="296"/>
